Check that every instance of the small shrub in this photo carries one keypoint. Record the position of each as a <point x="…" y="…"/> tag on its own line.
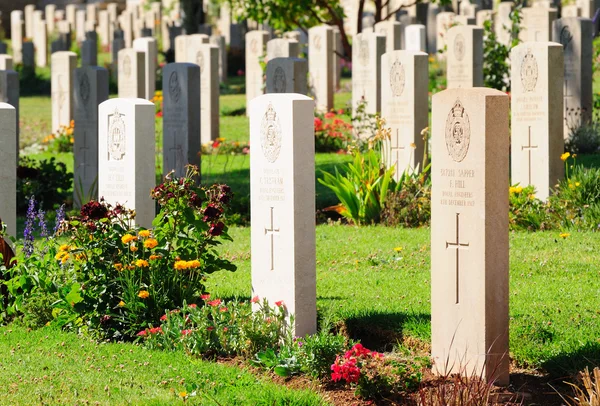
<point x="62" y="140"/>
<point x="410" y="204"/>
<point x="317" y="352"/>
<point x="332" y="133"/>
<point x="584" y="139"/>
<point x="526" y="212"/>
<point x="48" y="180"/>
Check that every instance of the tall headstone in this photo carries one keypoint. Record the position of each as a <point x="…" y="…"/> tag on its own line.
<point x="537" y="24"/>
<point x="503" y="23"/>
<point x="445" y="20"/>
<point x="338" y="52"/>
<point x="405" y="108"/>
<point x="206" y="56"/>
<point x="366" y="71"/>
<point x="464" y="57"/>
<point x="28" y="54"/>
<point x="89" y="91"/>
<point x="576" y="36"/>
<point x="104" y="28"/>
<point x="63" y="64"/>
<point x="287" y="75"/>
<point x="282" y="190"/>
<point x="432" y="12"/>
<point x="180" y="48"/>
<point x="6" y="62"/>
<point x="393" y="32"/>
<point x="282" y="48"/>
<point x="469" y="233"/>
<point x="9" y="93"/>
<point x="40" y="40"/>
<point x="29" y="9"/>
<point x="181" y="121"/>
<point x="537" y="73"/>
<point x="16" y="31"/>
<point x="89" y="52"/>
<point x="483" y="16"/>
<point x="126" y="23"/>
<point x="80" y="25"/>
<point x="255" y="53"/>
<point x="49" y="16"/>
<point x="126" y="151"/>
<point x="415" y="38"/>
<point x="321" y="66"/>
<point x="132" y="74"/>
<point x="588" y="8"/>
<point x="8" y="174"/>
<point x="219" y="41"/>
<point x="150" y="49"/>
<point x="70" y="11"/>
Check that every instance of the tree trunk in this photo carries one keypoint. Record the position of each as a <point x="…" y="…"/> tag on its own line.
<point x="193" y="15"/>
<point x="361" y="8"/>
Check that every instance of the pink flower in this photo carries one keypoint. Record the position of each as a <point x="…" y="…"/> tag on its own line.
<point x="205" y="297"/>
<point x="225" y="329"/>
<point x="193" y="306"/>
<point x="255" y="299"/>
<point x="240" y="72"/>
<point x="330" y="114"/>
<point x="163" y="317"/>
<point x="223" y="309"/>
<point x="142" y="333"/>
<point x="214" y="303"/>
<point x="156" y="330"/>
<point x="280" y="303"/>
<point x="186" y="332"/>
<point x="210" y="328"/>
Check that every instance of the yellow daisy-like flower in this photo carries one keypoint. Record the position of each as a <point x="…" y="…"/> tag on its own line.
<point x="143" y="294"/>
<point x="398" y="249"/>
<point x="577" y="184"/>
<point x="150" y="243"/>
<point x="60" y="255"/>
<point x="144" y="233"/>
<point x="180" y="265"/>
<point x="133" y="248"/>
<point x="565" y="156"/>
<point x="64" y="247"/>
<point x="194" y="264"/>
<point x="65" y="258"/>
<point x="564" y="235"/>
<point x="182" y="394"/>
<point x="141" y="263"/>
<point x="127" y="238"/>
<point x="121" y="303"/>
<point x="154" y="257"/>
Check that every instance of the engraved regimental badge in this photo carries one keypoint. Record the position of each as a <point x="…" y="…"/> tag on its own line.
<point x="397" y="78"/>
<point x="363" y="52"/>
<point x="458" y="132"/>
<point x="116" y="137"/>
<point x="279" y="82"/>
<point x="127" y="65"/>
<point x="84" y="88"/>
<point x="566" y="38"/>
<point x="317" y="42"/>
<point x="529" y="72"/>
<point x="254" y="46"/>
<point x="200" y="61"/>
<point x="459" y="47"/>
<point x="174" y="88"/>
<point x="270" y="134"/>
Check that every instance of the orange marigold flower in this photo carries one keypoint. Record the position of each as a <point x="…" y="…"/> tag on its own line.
<point x="144" y="233"/>
<point x="150" y="243"/>
<point x="194" y="264"/>
<point x="144" y="294"/>
<point x="118" y="266"/>
<point x="133" y="247"/>
<point x="121" y="303"/>
<point x="127" y="238"/>
<point x="141" y="263"/>
<point x="180" y="265"/>
<point x="130" y="267"/>
<point x="154" y="257"/>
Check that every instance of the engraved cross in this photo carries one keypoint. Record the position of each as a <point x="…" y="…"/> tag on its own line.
<point x="397" y="148"/>
<point x="176" y="154"/>
<point x="271" y="232"/>
<point x="457" y="245"/>
<point x="84" y="149"/>
<point x="529" y="147"/>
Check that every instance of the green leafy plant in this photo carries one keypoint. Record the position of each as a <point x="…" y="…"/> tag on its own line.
<point x="527" y="212"/>
<point x="48" y="180"/>
<point x="332" y="133"/>
<point x="585" y="139"/>
<point x="318" y="351"/>
<point x="496" y="66"/>
<point x="61" y="140"/>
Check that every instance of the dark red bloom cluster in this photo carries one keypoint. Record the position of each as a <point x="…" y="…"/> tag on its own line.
<point x="93" y="211"/>
<point x="216" y="229"/>
<point x="348" y="366"/>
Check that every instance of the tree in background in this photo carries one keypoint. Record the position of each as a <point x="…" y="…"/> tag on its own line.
<point x="193" y="15"/>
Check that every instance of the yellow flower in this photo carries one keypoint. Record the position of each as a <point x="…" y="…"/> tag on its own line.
<point x="144" y="233"/>
<point x="141" y="263"/>
<point x="64" y="247"/>
<point x="65" y="258"/>
<point x="130" y="267"/>
<point x="127" y="238"/>
<point x="121" y="303"/>
<point x="413" y="145"/>
<point x="194" y="264"/>
<point x="133" y="248"/>
<point x="118" y="267"/>
<point x="565" y="156"/>
<point x="577" y="184"/>
<point x="143" y="294"/>
<point x="531" y="196"/>
<point x="182" y="394"/>
<point x="60" y="255"/>
<point x="150" y="243"/>
<point x="564" y="235"/>
<point x="72" y="123"/>
<point x="180" y="265"/>
<point x="515" y="189"/>
<point x="154" y="257"/>
<point x="70" y="131"/>
<point x="398" y="249"/>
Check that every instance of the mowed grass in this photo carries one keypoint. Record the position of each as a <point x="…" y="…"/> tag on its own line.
<point x="378" y="292"/>
<point x="50" y="367"/>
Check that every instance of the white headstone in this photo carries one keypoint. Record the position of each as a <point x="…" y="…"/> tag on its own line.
<point x="415" y="38"/>
<point x="16" y="31"/>
<point x="8" y="174"/>
<point x="63" y="64"/>
<point x="282" y="48"/>
<point x="464" y="56"/>
<point x="255" y="52"/>
<point x="206" y="56"/>
<point x="366" y="71"/>
<point x="149" y="47"/>
<point x="132" y="74"/>
<point x="321" y="66"/>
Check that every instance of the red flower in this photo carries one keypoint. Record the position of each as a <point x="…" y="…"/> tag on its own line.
<point x="142" y="333"/>
<point x="163" y="317"/>
<point x="279" y="303"/>
<point x="225" y="329"/>
<point x="210" y="328"/>
<point x="341" y="111"/>
<point x="216" y="229"/>
<point x="193" y="305"/>
<point x="223" y="309"/>
<point x="255" y="299"/>
<point x="205" y="296"/>
<point x="330" y="114"/>
<point x="186" y="332"/>
<point x="318" y="124"/>
<point x="215" y="302"/>
<point x="159" y="114"/>
<point x="155" y="330"/>
<point x="216" y="144"/>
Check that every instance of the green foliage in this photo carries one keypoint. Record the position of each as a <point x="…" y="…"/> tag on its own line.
<point x="46" y="179"/>
<point x="496" y="68"/>
<point x="215" y="327"/>
<point x="409" y="205"/>
<point x="585" y="139"/>
<point x="316" y="353"/>
<point x="527" y="212"/>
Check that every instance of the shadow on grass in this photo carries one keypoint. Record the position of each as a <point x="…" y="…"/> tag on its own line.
<point x="569" y="364"/>
<point x="381" y="331"/>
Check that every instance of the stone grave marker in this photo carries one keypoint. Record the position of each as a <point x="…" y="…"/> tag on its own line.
<point x="503" y="23"/>
<point x="181" y="121"/>
<point x="70" y="10"/>
<point x="320" y="67"/>
<point x="405" y="108"/>
<point x="570" y="11"/>
<point x="469" y="233"/>
<point x="206" y="56"/>
<point x="6" y="62"/>
<point x="282" y="48"/>
<point x="40" y="40"/>
<point x="483" y="16"/>
<point x="219" y="41"/>
<point x="392" y="31"/>
<point x="50" y="18"/>
<point x="415" y="38"/>
<point x="255" y="52"/>
<point x="8" y="175"/>
<point x="282" y="194"/>
<point x="149" y="48"/>
<point x="28" y="54"/>
<point x="443" y="23"/>
<point x="126" y="23"/>
<point x="89" y="91"/>
<point x="287" y="75"/>
<point x="537" y="73"/>
<point x="63" y="64"/>
<point x="132" y="74"/>
<point x="3" y="48"/>
<point x="29" y="10"/>
<point x="576" y="36"/>
<point x="537" y="24"/>
<point x="9" y="93"/>
<point x="464" y="56"/>
<point x="16" y="31"/>
<point x="432" y="12"/>
<point x="126" y="151"/>
<point x="89" y="52"/>
<point x="104" y="27"/>
<point x="80" y="25"/>
<point x="180" y="48"/>
<point x="338" y="52"/>
<point x="366" y="71"/>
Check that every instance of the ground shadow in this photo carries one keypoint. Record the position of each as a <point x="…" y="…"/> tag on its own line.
<point x="569" y="364"/>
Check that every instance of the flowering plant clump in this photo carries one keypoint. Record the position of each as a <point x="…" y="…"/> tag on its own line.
<point x="158" y="103"/>
<point x="216" y="327"/>
<point x="221" y="146"/>
<point x="115" y="278"/>
<point x="62" y="140"/>
<point x="332" y="133"/>
<point x="374" y="375"/>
